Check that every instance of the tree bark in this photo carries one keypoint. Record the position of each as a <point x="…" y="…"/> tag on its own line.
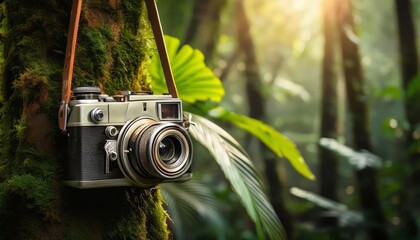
<point x="410" y="75"/>
<point x="111" y="52"/>
<point x="328" y="161"/>
<point x="358" y="109"/>
<point x="256" y="102"/>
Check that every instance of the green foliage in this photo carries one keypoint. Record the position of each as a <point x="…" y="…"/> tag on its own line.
<point x="241" y="174"/>
<point x="390" y="93"/>
<point x="279" y="144"/>
<point x="191" y="204"/>
<point x="413" y="89"/>
<point x="282" y="89"/>
<point x="341" y="211"/>
<point x="358" y="159"/>
<point x="194" y="80"/>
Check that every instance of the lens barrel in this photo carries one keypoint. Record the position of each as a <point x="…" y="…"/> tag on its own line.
<point x="152" y="152"/>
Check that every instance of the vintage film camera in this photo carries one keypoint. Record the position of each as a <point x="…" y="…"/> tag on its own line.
<point x="131" y="139"/>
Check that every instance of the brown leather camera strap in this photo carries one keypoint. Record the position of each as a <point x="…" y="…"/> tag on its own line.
<point x="69" y="63"/>
<point x="71" y="49"/>
<point x="154" y="19"/>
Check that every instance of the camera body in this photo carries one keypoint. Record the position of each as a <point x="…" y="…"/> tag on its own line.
<point x="130" y="139"/>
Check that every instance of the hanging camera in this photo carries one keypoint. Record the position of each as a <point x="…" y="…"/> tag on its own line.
<point x="138" y="140"/>
<point x="130" y="139"/>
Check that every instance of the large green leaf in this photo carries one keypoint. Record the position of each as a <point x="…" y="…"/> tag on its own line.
<point x="278" y="143"/>
<point x="239" y="170"/>
<point x="194" y="80"/>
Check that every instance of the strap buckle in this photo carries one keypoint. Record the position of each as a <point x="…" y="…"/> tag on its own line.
<point x="62" y="116"/>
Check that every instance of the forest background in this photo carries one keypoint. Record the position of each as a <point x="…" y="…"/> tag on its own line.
<point x="290" y="63"/>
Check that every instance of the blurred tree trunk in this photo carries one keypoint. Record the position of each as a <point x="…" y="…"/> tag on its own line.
<point x="110" y="54"/>
<point x="356" y="100"/>
<point x="410" y="79"/>
<point x="328" y="161"/>
<point x="204" y="29"/>
<point x="256" y="102"/>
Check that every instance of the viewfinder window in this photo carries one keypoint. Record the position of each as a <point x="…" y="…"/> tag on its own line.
<point x="169" y="111"/>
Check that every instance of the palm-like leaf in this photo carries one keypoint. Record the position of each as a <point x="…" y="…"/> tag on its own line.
<point x="358" y="159"/>
<point x="188" y="203"/>
<point x="241" y="174"/>
<point x="338" y="210"/>
<point x="194" y="80"/>
<point x="278" y="143"/>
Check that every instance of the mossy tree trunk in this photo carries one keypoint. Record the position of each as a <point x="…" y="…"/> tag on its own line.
<point x="111" y="53"/>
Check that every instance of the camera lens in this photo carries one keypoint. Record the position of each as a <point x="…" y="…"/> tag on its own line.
<point x="151" y="151"/>
<point x="169" y="149"/>
<point x="163" y="150"/>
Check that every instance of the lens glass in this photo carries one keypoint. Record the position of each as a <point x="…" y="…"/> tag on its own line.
<point x="169" y="149"/>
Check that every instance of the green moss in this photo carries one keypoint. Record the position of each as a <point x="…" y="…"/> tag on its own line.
<point x="26" y="198"/>
<point x="128" y="227"/>
<point x="145" y="217"/>
<point x="29" y="81"/>
<point x="31" y="24"/>
<point x="127" y="57"/>
<point x="33" y="178"/>
<point x="20" y="128"/>
<point x="132" y="10"/>
<point x="34" y="191"/>
<point x="157" y="218"/>
<point x="92" y="57"/>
